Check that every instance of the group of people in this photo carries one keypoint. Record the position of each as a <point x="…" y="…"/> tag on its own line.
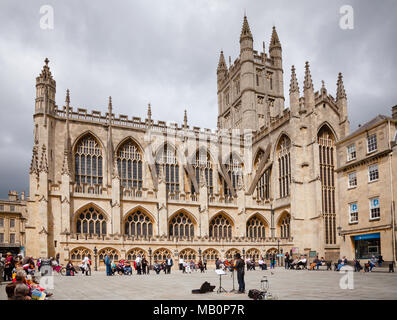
<point x="187" y="267"/>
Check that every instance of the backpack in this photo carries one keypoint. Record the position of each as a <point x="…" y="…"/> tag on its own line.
<point x="256" y="294"/>
<point x="205" y="287"/>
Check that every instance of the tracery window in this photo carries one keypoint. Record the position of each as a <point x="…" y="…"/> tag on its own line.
<point x="220" y="227"/>
<point x="161" y="254"/>
<point x="78" y="254"/>
<point x="211" y="255"/>
<point x="129" y="164"/>
<point x="263" y="185"/>
<point x="253" y="254"/>
<point x="138" y="224"/>
<point x="88" y="162"/>
<point x="113" y="254"/>
<point x="91" y="221"/>
<point x="166" y="159"/>
<point x="284" y="166"/>
<point x="188" y="254"/>
<point x="133" y="253"/>
<point x="181" y="226"/>
<point x="231" y="253"/>
<point x="326" y="141"/>
<point x="285" y="226"/>
<point x="203" y="163"/>
<point x="256" y="228"/>
<point x="234" y="169"/>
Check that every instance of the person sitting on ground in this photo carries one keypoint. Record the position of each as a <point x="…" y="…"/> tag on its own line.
<point x="70" y="270"/>
<point x="357" y="265"/>
<point x="157" y="267"/>
<point x="127" y="268"/>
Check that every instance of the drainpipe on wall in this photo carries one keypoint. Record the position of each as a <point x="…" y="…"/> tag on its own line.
<point x="393" y="223"/>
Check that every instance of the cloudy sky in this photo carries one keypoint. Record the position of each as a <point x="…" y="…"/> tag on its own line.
<point x="166" y="52"/>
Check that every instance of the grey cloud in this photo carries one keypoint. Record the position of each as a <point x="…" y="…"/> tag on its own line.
<point x="166" y="53"/>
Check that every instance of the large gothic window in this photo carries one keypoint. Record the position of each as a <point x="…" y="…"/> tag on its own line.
<point x="133" y="253"/>
<point x="129" y="164"/>
<point x="234" y="169"/>
<point x="285" y="226"/>
<point x="253" y="254"/>
<point x="326" y="142"/>
<point x="263" y="185"/>
<point x="138" y="224"/>
<point x="256" y="228"/>
<point x="202" y="163"/>
<point x="181" y="226"/>
<point x="230" y="254"/>
<point x="88" y="162"/>
<point x="220" y="227"/>
<point x="166" y="160"/>
<point x="211" y="255"/>
<point x="78" y="254"/>
<point x="113" y="255"/>
<point x="284" y="166"/>
<point x="91" y="221"/>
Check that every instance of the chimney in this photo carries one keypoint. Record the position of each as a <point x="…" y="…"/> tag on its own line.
<point x="394" y="112"/>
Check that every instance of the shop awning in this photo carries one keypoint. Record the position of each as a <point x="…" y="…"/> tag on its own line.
<point x="367" y="236"/>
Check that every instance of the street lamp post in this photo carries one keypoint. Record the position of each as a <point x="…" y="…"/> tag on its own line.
<point x="199" y="251"/>
<point x="244" y="253"/>
<point x="278" y="250"/>
<point x="96" y="255"/>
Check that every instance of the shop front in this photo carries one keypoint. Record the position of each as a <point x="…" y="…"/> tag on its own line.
<point x="367" y="245"/>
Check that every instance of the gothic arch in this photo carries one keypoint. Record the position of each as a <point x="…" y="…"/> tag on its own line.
<point x="260" y="216"/>
<point x="182" y="224"/>
<point x="77" y="254"/>
<point x="221" y="227"/>
<point x="161" y="254"/>
<point x="84" y="134"/>
<point x="256" y="227"/>
<point x="140" y="208"/>
<point x="188" y="254"/>
<point x="258" y="151"/>
<point x="253" y="253"/>
<point x="211" y="254"/>
<point x="90" y="219"/>
<point x="223" y="212"/>
<point x="91" y="204"/>
<point x="112" y="253"/>
<point x="134" y="141"/>
<point x="229" y="254"/>
<point x="327" y="125"/>
<point x="278" y="141"/>
<point x="284" y="225"/>
<point x="138" y="223"/>
<point x="133" y="253"/>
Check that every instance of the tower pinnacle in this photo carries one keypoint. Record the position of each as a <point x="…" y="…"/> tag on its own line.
<point x="222" y="63"/>
<point x="308" y="83"/>
<point x="340" y="90"/>
<point x="294" y="86"/>
<point x="274" y="40"/>
<point x="245" y="30"/>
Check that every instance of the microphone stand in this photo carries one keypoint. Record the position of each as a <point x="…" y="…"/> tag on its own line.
<point x="233" y="290"/>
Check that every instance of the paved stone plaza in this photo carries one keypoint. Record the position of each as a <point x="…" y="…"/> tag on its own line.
<point x="285" y="284"/>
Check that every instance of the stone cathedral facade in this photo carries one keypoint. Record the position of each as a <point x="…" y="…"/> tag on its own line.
<point x="262" y="182"/>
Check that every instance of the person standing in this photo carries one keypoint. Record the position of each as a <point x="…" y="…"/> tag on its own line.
<point x="8" y="267"/>
<point x="205" y="263"/>
<point x="181" y="264"/>
<point x="57" y="258"/>
<point x="138" y="262"/>
<point x="144" y="265"/>
<point x="108" y="265"/>
<point x="286" y="261"/>
<point x="169" y="263"/>
<point x="239" y="267"/>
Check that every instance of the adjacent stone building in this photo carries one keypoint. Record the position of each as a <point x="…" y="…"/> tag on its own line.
<point x="264" y="182"/>
<point x="13" y="216"/>
<point x="367" y="166"/>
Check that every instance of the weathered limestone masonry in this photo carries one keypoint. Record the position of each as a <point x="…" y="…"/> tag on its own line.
<point x="108" y="182"/>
